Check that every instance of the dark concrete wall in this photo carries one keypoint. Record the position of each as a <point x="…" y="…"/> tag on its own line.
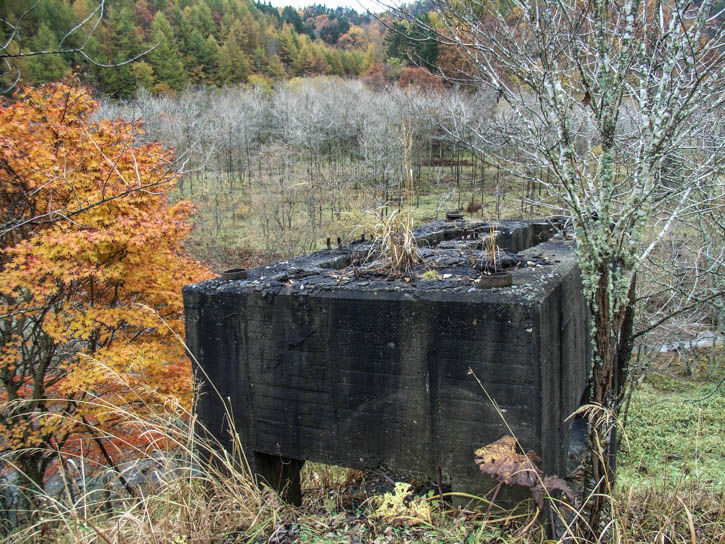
<point x="377" y="375"/>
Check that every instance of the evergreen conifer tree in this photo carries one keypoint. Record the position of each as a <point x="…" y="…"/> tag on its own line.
<point x="165" y="59"/>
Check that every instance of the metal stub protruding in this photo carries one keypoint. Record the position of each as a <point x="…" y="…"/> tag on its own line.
<point x="235" y="274"/>
<point x="454" y="215"/>
<point x="498" y="279"/>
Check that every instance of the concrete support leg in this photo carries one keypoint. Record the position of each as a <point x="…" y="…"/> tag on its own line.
<point x="281" y="474"/>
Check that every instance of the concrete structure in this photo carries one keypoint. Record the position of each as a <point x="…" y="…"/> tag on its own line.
<point x="320" y="363"/>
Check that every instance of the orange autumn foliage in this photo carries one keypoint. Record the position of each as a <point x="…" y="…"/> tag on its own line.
<point x="90" y="250"/>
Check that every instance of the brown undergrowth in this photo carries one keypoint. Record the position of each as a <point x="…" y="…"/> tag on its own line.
<point x="185" y="499"/>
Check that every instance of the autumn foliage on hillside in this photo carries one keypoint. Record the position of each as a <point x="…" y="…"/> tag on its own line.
<point x="90" y="252"/>
<point x="171" y="44"/>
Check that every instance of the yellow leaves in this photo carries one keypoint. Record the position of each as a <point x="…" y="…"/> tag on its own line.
<point x="402" y="507"/>
<point x="98" y="239"/>
<point x="51" y="145"/>
<point x="142" y="373"/>
<point x="28" y="432"/>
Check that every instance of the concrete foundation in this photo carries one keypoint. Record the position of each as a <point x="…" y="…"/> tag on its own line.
<point x="318" y="363"/>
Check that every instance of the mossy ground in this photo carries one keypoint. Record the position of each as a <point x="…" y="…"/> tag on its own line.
<point x="674" y="436"/>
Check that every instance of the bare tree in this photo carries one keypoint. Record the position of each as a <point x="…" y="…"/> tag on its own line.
<point x="683" y="305"/>
<point x="611" y="97"/>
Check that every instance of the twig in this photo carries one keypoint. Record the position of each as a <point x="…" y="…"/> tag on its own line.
<point x="710" y="394"/>
<point x="387" y="478"/>
<point x="126" y="484"/>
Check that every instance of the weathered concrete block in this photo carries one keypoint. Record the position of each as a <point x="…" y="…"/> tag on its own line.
<point x="364" y="372"/>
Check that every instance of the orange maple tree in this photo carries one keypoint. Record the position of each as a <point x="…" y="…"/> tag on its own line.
<point x="87" y="236"/>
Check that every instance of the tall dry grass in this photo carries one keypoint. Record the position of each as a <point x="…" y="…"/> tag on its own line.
<point x="175" y="484"/>
<point x="395" y="249"/>
<point x="188" y="488"/>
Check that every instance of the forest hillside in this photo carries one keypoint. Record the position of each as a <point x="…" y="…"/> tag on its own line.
<point x="166" y="45"/>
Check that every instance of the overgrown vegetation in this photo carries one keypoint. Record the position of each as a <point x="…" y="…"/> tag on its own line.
<point x="670" y="487"/>
<point x="278" y="173"/>
<point x="630" y="144"/>
<point x="395" y="249"/>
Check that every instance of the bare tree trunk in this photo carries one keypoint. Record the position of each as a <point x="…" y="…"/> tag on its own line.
<point x="498" y="192"/>
<point x="613" y="335"/>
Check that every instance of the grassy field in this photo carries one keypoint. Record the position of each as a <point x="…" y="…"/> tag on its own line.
<point x="247" y="224"/>
<point x="675" y="435"/>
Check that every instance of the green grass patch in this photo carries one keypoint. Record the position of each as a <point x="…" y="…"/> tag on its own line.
<point x="671" y="440"/>
<point x="276" y="216"/>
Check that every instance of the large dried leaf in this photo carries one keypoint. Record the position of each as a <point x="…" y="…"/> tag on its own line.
<point x="551" y="484"/>
<point x="501" y="461"/>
